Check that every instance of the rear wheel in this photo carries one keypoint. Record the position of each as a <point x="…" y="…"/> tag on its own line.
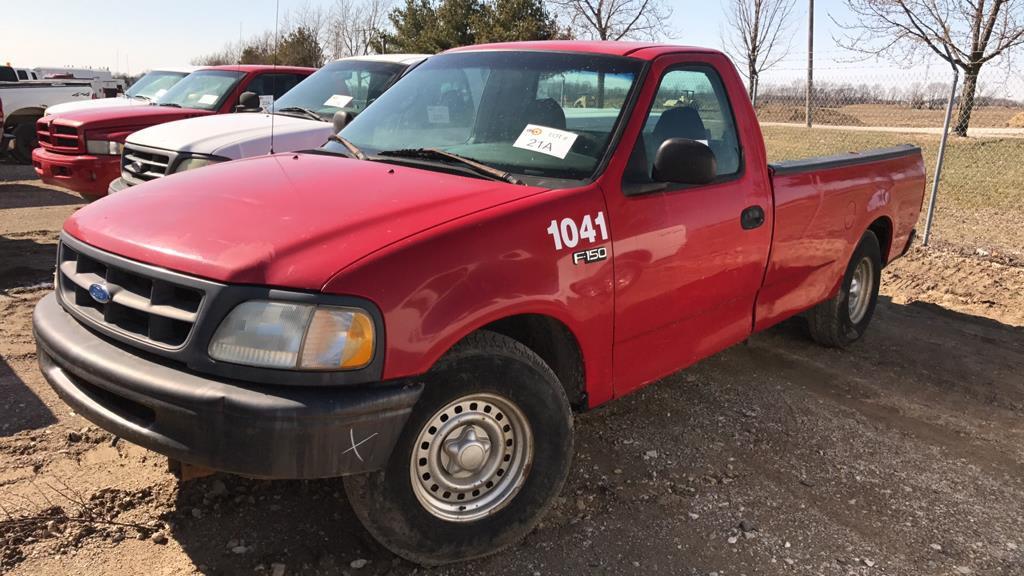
<point x="842" y="320"/>
<point x="482" y="457"/>
<point x="25" y="140"/>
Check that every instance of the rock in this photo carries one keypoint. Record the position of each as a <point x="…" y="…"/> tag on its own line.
<point x="359" y="563"/>
<point x="197" y="513"/>
<point x="733" y="539"/>
<point x="787" y="544"/>
<point x="74" y="436"/>
<point x="117" y="537"/>
<point x="693" y="516"/>
<point x="617" y="471"/>
<point x="277" y="569"/>
<point x="963" y="570"/>
<point x="1011" y="545"/>
<point x="239" y="549"/>
<point x="159" y="538"/>
<point x="231" y="544"/>
<point x="650" y="454"/>
<point x="935" y="547"/>
<point x="789" y="561"/>
<point x="869" y="563"/>
<point x="217" y="488"/>
<point x="748" y="526"/>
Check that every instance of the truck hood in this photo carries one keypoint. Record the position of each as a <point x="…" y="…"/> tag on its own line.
<point x="235" y="136"/>
<point x="288" y="220"/>
<point x="76" y="105"/>
<point x="121" y="117"/>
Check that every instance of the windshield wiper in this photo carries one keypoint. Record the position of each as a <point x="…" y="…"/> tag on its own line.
<point x="303" y="111"/>
<point x="436" y="154"/>
<point x="171" y="104"/>
<point x="141" y="97"/>
<point x="350" y="146"/>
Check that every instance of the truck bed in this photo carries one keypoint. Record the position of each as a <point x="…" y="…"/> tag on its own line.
<point x="822" y="206"/>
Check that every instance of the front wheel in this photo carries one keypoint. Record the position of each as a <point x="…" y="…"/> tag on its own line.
<point x="25" y="140"/>
<point x="842" y="320"/>
<point x="481" y="459"/>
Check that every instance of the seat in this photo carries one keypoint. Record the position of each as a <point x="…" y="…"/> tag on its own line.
<point x="682" y="122"/>
<point x="546" y="112"/>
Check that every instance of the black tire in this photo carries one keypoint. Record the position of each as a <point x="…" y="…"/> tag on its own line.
<point x="25" y="141"/>
<point x="484" y="363"/>
<point x="830" y="322"/>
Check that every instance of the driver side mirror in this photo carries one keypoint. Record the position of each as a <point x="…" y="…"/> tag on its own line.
<point x="248" y="102"/>
<point x="684" y="161"/>
<point x="340" y="120"/>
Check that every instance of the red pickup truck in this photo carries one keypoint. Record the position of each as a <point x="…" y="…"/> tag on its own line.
<point x="510" y="233"/>
<point x="81" y="150"/>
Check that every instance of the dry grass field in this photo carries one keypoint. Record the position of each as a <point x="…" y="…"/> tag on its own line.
<point x="887" y="115"/>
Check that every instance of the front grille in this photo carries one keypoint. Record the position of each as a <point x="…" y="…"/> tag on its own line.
<point x="144" y="307"/>
<point x="140" y="164"/>
<point x="55" y="136"/>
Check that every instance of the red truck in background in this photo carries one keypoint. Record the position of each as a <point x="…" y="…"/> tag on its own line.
<point x="511" y="232"/>
<point x="81" y="150"/>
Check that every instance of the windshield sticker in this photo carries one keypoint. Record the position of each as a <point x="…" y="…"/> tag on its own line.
<point x="545" y="140"/>
<point x="208" y="99"/>
<point x="266" y="101"/>
<point x="438" y="115"/>
<point x="160" y="93"/>
<point x="338" y="101"/>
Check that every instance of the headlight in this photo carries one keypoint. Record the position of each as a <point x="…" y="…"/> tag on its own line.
<point x="104" y="147"/>
<point x="192" y="163"/>
<point x="294" y="336"/>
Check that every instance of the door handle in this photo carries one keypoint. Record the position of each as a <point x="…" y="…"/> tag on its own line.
<point x="752" y="217"/>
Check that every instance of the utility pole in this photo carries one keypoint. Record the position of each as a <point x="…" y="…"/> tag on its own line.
<point x="808" y="112"/>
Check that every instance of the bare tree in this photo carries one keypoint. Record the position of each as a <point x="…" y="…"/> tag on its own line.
<point x="317" y="20"/>
<point x="357" y="26"/>
<point x="966" y="33"/>
<point x="756" y="36"/>
<point x="615" y="19"/>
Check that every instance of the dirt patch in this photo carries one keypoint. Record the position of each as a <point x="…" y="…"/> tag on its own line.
<point x="901" y="455"/>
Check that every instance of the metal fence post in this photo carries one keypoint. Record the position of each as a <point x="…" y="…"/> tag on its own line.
<point x="942" y="154"/>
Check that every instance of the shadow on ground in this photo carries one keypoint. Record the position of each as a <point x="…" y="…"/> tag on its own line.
<point x="30" y="195"/>
<point x="903" y="440"/>
<point x="20" y="409"/>
<point x="27" y="259"/>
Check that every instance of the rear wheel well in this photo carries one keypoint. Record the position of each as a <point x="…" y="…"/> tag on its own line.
<point x="555" y="344"/>
<point x="882" y="228"/>
<point x="21" y="116"/>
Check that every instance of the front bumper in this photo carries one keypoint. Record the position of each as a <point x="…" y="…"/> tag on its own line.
<point x="261" y="431"/>
<point x="88" y="175"/>
<point x="118" y="185"/>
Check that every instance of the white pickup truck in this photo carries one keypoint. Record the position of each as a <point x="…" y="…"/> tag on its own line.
<point x="147" y="89"/>
<point x="300" y="119"/>
<point x="22" y="102"/>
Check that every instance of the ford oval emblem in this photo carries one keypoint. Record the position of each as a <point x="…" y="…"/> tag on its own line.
<point x="99" y="293"/>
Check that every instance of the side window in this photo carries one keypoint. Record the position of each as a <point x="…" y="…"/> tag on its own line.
<point x="22" y="75"/>
<point x="272" y="84"/>
<point x="690" y="103"/>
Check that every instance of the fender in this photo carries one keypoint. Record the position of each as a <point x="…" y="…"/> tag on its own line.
<point x="438" y="286"/>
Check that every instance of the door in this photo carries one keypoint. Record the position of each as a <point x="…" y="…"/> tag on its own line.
<point x="688" y="260"/>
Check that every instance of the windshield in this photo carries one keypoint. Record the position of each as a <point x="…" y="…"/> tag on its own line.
<point x="202" y="90"/>
<point x="531" y="113"/>
<point x="154" y="84"/>
<point x="348" y="85"/>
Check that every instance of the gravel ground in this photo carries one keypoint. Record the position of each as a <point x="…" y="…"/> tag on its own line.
<point x="902" y="455"/>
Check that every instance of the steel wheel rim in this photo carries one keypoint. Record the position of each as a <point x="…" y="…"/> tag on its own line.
<point x="471" y="457"/>
<point x="861" y="288"/>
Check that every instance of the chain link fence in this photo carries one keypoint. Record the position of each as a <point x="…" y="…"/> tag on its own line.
<point x="981" y="186"/>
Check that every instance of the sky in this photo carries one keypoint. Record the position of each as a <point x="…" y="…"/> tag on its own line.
<point x="140" y="36"/>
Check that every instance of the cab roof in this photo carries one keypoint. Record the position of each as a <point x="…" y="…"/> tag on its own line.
<point x="643" y="50"/>
<point x="257" y="68"/>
